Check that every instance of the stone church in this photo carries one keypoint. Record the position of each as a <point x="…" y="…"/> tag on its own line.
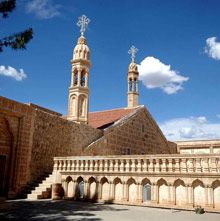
<point x="118" y="156"/>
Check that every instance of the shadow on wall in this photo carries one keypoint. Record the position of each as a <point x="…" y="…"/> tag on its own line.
<point x="52" y="210"/>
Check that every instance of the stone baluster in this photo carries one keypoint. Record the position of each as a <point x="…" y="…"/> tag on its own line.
<point x="77" y="165"/>
<point x="133" y="165"/>
<point x="68" y="165"/>
<point x="55" y="166"/>
<point x="101" y="165"/>
<point x="205" y="165"/>
<point x="198" y="165"/>
<point x="157" y="166"/>
<point x="82" y="163"/>
<point x="164" y="165"/>
<point x="177" y="165"/>
<point x="183" y="167"/>
<point x="105" y="165"/>
<point x="64" y="165"/>
<point x="213" y="165"/>
<point x="139" y="165"/>
<point x="111" y="166"/>
<point x="190" y="165"/>
<point x="86" y="167"/>
<point x="127" y="165"/>
<point x="122" y="166"/>
<point x="91" y="165"/>
<point x="218" y="164"/>
<point x="151" y="166"/>
<point x="116" y="165"/>
<point x="170" y="165"/>
<point x="96" y="166"/>
<point x="144" y="165"/>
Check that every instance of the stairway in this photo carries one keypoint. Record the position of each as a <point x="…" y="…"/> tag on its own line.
<point x="43" y="189"/>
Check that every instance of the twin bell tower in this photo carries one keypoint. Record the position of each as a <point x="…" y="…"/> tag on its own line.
<point x="78" y="101"/>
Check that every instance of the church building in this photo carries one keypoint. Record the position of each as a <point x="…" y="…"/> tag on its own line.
<point x="119" y="155"/>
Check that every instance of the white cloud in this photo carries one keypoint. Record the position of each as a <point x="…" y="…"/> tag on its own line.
<point x="213" y="48"/>
<point x="43" y="9"/>
<point x="155" y="74"/>
<point x="190" y="128"/>
<point x="12" y="72"/>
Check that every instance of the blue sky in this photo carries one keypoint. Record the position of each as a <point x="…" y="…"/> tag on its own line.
<point x="182" y="97"/>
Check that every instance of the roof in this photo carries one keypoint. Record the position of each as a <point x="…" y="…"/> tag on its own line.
<point x="103" y="119"/>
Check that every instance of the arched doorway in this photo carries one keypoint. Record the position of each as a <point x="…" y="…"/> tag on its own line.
<point x="80" y="188"/>
<point x="147" y="192"/>
<point x="5" y="155"/>
<point x="118" y="193"/>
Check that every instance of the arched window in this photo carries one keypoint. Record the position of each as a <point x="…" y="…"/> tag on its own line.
<point x="130" y="84"/>
<point x="75" y="79"/>
<point x="82" y="105"/>
<point x="135" y="84"/>
<point x="83" y="80"/>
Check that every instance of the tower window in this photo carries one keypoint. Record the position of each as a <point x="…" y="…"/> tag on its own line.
<point x="83" y="80"/>
<point x="75" y="79"/>
<point x="130" y="84"/>
<point x="135" y="88"/>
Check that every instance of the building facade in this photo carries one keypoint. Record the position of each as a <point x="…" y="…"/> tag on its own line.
<point x="118" y="155"/>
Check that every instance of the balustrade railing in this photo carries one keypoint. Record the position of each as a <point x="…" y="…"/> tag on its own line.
<point x="139" y="164"/>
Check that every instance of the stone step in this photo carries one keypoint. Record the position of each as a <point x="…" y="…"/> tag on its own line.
<point x="42" y="189"/>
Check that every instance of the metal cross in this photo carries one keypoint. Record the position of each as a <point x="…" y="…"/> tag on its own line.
<point x="83" y="23"/>
<point x="132" y="51"/>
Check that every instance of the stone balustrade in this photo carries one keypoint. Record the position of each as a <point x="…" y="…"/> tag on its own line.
<point x="140" y="164"/>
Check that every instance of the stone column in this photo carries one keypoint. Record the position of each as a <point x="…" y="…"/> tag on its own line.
<point x="139" y="193"/>
<point x="86" y="189"/>
<point x="209" y="196"/>
<point x="79" y="76"/>
<point x="125" y="191"/>
<point x="172" y="194"/>
<point x="190" y="195"/>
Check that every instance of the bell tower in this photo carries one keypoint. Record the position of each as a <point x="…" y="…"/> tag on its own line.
<point x="78" y="101"/>
<point x="133" y="95"/>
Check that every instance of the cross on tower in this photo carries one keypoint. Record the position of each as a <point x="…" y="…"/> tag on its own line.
<point x="83" y="23"/>
<point x="132" y="51"/>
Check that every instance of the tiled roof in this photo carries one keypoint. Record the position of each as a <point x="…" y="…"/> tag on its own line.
<point x="103" y="119"/>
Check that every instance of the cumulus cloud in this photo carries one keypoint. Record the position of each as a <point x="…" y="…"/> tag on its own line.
<point x="155" y="74"/>
<point x="190" y="128"/>
<point x="12" y="72"/>
<point x="43" y="9"/>
<point x="213" y="48"/>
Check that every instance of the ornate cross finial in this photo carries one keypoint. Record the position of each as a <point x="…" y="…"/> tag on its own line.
<point x="132" y="51"/>
<point x="83" y="23"/>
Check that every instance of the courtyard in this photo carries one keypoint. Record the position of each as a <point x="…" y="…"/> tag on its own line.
<point x="82" y="211"/>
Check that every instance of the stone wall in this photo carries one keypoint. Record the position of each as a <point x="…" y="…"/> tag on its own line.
<point x="16" y="123"/>
<point x="30" y="136"/>
<point x="135" y="134"/>
<point x="55" y="136"/>
<point x="198" y="146"/>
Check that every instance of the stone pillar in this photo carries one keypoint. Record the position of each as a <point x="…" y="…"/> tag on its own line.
<point x="139" y="165"/>
<point x="190" y="195"/>
<point x="86" y="189"/>
<point x="170" y="165"/>
<point x="183" y="167"/>
<point x="172" y="194"/>
<point x="209" y="196"/>
<point x="164" y="165"/>
<point x="157" y="166"/>
<point x="139" y="193"/>
<point x="133" y="165"/>
<point x="155" y="193"/>
<point x="125" y="191"/>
